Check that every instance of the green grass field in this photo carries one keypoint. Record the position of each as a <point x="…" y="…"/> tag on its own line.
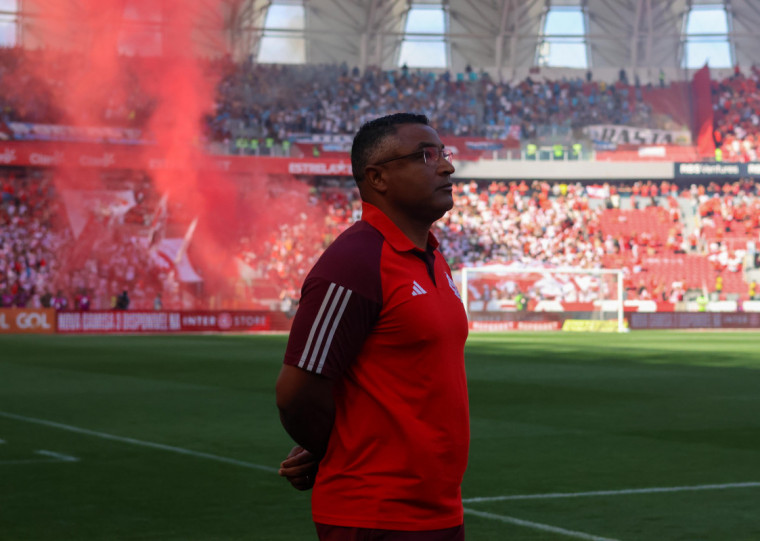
<point x="639" y="436"/>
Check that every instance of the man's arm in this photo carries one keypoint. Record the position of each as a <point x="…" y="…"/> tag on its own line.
<point x="307" y="408"/>
<point x="305" y="390"/>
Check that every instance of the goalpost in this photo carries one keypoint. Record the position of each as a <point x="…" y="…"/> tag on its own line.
<point x="493" y="290"/>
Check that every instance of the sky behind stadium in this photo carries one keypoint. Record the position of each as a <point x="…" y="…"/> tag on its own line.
<point x="706" y="30"/>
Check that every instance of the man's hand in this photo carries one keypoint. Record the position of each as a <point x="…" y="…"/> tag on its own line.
<point x="307" y="411"/>
<point x="300" y="468"/>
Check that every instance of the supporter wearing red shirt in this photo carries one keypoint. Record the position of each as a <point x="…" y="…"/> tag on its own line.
<point x="373" y="385"/>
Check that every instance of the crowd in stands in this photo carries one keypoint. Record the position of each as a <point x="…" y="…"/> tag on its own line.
<point x="276" y="264"/>
<point x="519" y="223"/>
<point x="28" y="244"/>
<point x="43" y="264"/>
<point x="273" y="101"/>
<point x="37" y="87"/>
<point x="635" y="227"/>
<point x="278" y="101"/>
<point x="736" y="117"/>
<point x="630" y="226"/>
<point x="281" y="101"/>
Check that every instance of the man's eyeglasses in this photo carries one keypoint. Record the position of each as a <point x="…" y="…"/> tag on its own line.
<point x="431" y="156"/>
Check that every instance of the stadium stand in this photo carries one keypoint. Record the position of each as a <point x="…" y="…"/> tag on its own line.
<point x="44" y="262"/>
<point x="661" y="233"/>
<point x="736" y="104"/>
<point x="276" y="101"/>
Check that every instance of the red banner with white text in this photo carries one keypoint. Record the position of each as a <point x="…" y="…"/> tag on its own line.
<point x="149" y="158"/>
<point x="140" y="322"/>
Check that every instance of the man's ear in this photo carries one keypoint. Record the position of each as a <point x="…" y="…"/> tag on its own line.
<point x="374" y="176"/>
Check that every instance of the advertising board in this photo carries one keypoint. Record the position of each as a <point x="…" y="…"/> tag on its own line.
<point x="694" y="320"/>
<point x="27" y="321"/>
<point x="119" y="322"/>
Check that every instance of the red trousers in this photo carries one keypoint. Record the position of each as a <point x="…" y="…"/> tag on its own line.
<point x="326" y="532"/>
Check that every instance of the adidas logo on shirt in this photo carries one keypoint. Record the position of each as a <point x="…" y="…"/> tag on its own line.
<point x="417" y="289"/>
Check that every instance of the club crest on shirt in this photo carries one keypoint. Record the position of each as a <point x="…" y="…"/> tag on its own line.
<point x="453" y="287"/>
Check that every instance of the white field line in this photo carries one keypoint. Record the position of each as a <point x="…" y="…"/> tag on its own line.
<point x="536" y="525"/>
<point x="57" y="456"/>
<point x="623" y="492"/>
<point x="54" y="457"/>
<point x="142" y="443"/>
<point x="29" y="461"/>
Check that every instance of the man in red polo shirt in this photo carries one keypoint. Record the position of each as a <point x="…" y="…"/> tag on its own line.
<point x="373" y="386"/>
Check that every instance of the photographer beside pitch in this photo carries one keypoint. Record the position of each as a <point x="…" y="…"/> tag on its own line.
<point x="373" y="385"/>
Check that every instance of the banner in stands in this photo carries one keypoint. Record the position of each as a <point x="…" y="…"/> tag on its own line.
<point x="216" y="321"/>
<point x="322" y="138"/>
<point x="113" y="322"/>
<point x="724" y="170"/>
<point x="499" y="326"/>
<point x="694" y="320"/>
<point x="625" y="135"/>
<point x="464" y="148"/>
<point x="146" y="157"/>
<point x="85" y="155"/>
<point x="165" y="253"/>
<point x="81" y="204"/>
<point x="635" y="153"/>
<point x="327" y="142"/>
<point x="28" y="131"/>
<point x="590" y="325"/>
<point x="325" y="167"/>
<point x="27" y="321"/>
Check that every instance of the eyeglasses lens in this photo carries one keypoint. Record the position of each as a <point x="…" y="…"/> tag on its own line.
<point x="432" y="155"/>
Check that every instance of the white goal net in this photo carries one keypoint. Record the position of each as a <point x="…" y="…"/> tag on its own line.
<point x="543" y="298"/>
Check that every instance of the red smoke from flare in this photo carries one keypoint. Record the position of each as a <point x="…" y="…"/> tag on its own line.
<point x="168" y="96"/>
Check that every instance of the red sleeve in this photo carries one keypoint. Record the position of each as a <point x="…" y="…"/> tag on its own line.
<point x="330" y="327"/>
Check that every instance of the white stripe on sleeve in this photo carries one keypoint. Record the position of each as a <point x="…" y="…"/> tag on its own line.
<point x="332" y="331"/>
<point x="315" y="325"/>
<point x="324" y="326"/>
<point x="327" y="319"/>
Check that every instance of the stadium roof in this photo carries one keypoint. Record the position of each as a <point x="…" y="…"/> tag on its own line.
<point x="505" y="36"/>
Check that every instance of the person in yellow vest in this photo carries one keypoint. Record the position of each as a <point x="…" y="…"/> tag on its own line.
<point x="530" y="151"/>
<point x="752" y="292"/>
<point x="702" y="303"/>
<point x="241" y="145"/>
<point x="718" y="287"/>
<point x="718" y="154"/>
<point x="577" y="150"/>
<point x="558" y="151"/>
<point x="521" y="302"/>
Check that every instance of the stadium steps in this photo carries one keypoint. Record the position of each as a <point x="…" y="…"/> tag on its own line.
<point x="695" y="270"/>
<point x="651" y="221"/>
<point x="688" y="215"/>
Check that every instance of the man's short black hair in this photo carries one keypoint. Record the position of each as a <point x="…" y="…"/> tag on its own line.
<point x="372" y="133"/>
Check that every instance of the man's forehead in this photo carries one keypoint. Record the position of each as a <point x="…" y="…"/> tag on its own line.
<point x="416" y="136"/>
